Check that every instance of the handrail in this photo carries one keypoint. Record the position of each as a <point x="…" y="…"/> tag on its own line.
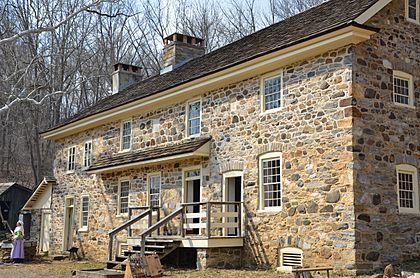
<point x="156" y="226"/>
<point x="118" y="229"/>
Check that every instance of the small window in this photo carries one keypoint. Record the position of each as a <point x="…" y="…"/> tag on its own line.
<point x="71" y="159"/>
<point x="413" y="10"/>
<point x="194" y="118"/>
<point x="126" y="136"/>
<point x="403" y="89"/>
<point x="87" y="154"/>
<point x="408" y="189"/>
<point x="270" y="181"/>
<point x="291" y="257"/>
<point x="123" y="195"/>
<point x="84" y="212"/>
<point x="154" y="190"/>
<point x="271" y="93"/>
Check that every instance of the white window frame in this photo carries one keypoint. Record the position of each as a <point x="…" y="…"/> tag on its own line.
<point x="271" y="155"/>
<point x="82" y="227"/>
<point x="149" y="176"/>
<point x="264" y="78"/>
<point x="187" y="118"/>
<point x="404" y="76"/>
<point x="408" y="169"/>
<point x="87" y="159"/>
<point x="121" y="135"/>
<point x="417" y="20"/>
<point x="119" y="213"/>
<point x="68" y="159"/>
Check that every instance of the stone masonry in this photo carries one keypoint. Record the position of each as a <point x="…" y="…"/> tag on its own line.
<point x="340" y="137"/>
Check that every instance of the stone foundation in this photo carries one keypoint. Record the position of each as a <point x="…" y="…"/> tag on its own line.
<point x="30" y="251"/>
<point x="226" y="257"/>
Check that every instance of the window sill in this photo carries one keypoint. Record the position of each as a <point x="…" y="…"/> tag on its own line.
<point x="405" y="105"/>
<point x="266" y="112"/>
<point x="269" y="211"/>
<point x="194" y="135"/>
<point x="83" y="230"/>
<point x="409" y="213"/>
<point x="125" y="151"/>
<point x="123" y="215"/>
<point x="70" y="172"/>
<point x="412" y="20"/>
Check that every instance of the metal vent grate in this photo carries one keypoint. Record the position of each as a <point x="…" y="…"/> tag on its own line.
<point x="291" y="257"/>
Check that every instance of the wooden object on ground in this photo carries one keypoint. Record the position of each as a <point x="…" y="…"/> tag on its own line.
<point x="133" y="270"/>
<point x="300" y="272"/>
<point x="152" y="266"/>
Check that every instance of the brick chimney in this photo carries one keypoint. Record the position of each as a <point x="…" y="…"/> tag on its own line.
<point x="179" y="49"/>
<point x="124" y="75"/>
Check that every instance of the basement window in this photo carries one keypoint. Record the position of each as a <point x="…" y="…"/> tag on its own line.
<point x="291" y="257"/>
<point x="403" y="89"/>
<point x="408" y="191"/>
<point x="413" y="10"/>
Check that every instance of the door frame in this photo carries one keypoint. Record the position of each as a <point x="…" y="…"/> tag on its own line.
<point x="41" y="237"/>
<point x="233" y="174"/>
<point x="184" y="184"/>
<point x="66" y="224"/>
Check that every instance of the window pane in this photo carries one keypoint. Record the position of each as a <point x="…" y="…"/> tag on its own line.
<point x="271" y="177"/>
<point x="401" y="90"/>
<point x="85" y="211"/>
<point x="406" y="190"/>
<point x="124" y="193"/>
<point x="412" y="9"/>
<point x="126" y="136"/>
<point x="194" y="124"/>
<point x="154" y="191"/>
<point x="272" y="93"/>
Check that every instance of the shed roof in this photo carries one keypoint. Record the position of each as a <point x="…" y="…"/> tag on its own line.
<point x="7" y="185"/>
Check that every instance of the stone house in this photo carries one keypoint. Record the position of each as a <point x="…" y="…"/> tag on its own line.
<point x="296" y="145"/>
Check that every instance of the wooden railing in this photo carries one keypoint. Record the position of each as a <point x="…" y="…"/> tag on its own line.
<point x="203" y="219"/>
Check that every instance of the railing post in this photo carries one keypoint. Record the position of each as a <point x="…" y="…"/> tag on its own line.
<point x="208" y="220"/>
<point x="143" y="246"/>
<point x="110" y="244"/>
<point x="182" y="221"/>
<point x="239" y="219"/>
<point x="130" y="213"/>
<point x="158" y="219"/>
<point x="150" y="220"/>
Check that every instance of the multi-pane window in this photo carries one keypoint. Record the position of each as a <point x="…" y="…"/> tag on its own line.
<point x="126" y="136"/>
<point x="272" y="93"/>
<point x="194" y="118"/>
<point x="403" y="88"/>
<point x="87" y="154"/>
<point x="154" y="190"/>
<point x="123" y="196"/>
<point x="413" y="10"/>
<point x="85" y="212"/>
<point x="407" y="183"/>
<point x="71" y="157"/>
<point x="271" y="181"/>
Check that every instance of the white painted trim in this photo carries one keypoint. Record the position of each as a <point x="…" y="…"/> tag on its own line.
<point x="131" y="135"/>
<point x="160" y="187"/>
<point x="270" y="155"/>
<point x="66" y="227"/>
<point x="151" y="161"/>
<point x="41" y="186"/>
<point x="41" y="236"/>
<point x="84" y="228"/>
<point x="373" y="10"/>
<point x="187" y="112"/>
<point x="417" y="20"/>
<point x="233" y="174"/>
<point x="344" y="36"/>
<point x="185" y="180"/>
<point x="404" y="76"/>
<point x="212" y="242"/>
<point x="268" y="76"/>
<point x="84" y="153"/>
<point x="408" y="169"/>
<point x="121" y="180"/>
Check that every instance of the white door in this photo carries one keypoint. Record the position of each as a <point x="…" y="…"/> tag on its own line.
<point x="45" y="231"/>
<point x="68" y="224"/>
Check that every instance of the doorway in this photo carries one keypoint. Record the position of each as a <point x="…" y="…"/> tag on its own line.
<point x="232" y="192"/>
<point x="45" y="231"/>
<point x="192" y="194"/>
<point x="68" y="223"/>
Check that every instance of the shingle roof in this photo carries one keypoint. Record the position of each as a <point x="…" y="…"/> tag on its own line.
<point x="6" y="185"/>
<point x="187" y="146"/>
<point x="311" y="23"/>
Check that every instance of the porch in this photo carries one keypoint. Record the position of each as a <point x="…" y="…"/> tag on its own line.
<point x="199" y="225"/>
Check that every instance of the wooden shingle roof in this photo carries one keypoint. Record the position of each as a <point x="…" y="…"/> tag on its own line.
<point x="314" y="22"/>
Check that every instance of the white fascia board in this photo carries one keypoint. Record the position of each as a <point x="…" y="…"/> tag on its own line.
<point x="369" y="13"/>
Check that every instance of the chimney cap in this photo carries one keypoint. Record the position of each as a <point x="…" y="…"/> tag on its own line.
<point x="126" y="67"/>
<point x="177" y="37"/>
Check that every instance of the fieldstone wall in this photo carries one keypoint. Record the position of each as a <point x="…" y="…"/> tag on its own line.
<point x="385" y="135"/>
<point x="313" y="131"/>
<point x="226" y="258"/>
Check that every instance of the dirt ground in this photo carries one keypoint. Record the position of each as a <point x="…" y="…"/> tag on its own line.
<point x="61" y="269"/>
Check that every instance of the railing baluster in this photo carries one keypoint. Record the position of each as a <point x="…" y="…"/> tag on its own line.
<point x="110" y="244"/>
<point x="208" y="220"/>
<point x="183" y="221"/>
<point x="239" y="220"/>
